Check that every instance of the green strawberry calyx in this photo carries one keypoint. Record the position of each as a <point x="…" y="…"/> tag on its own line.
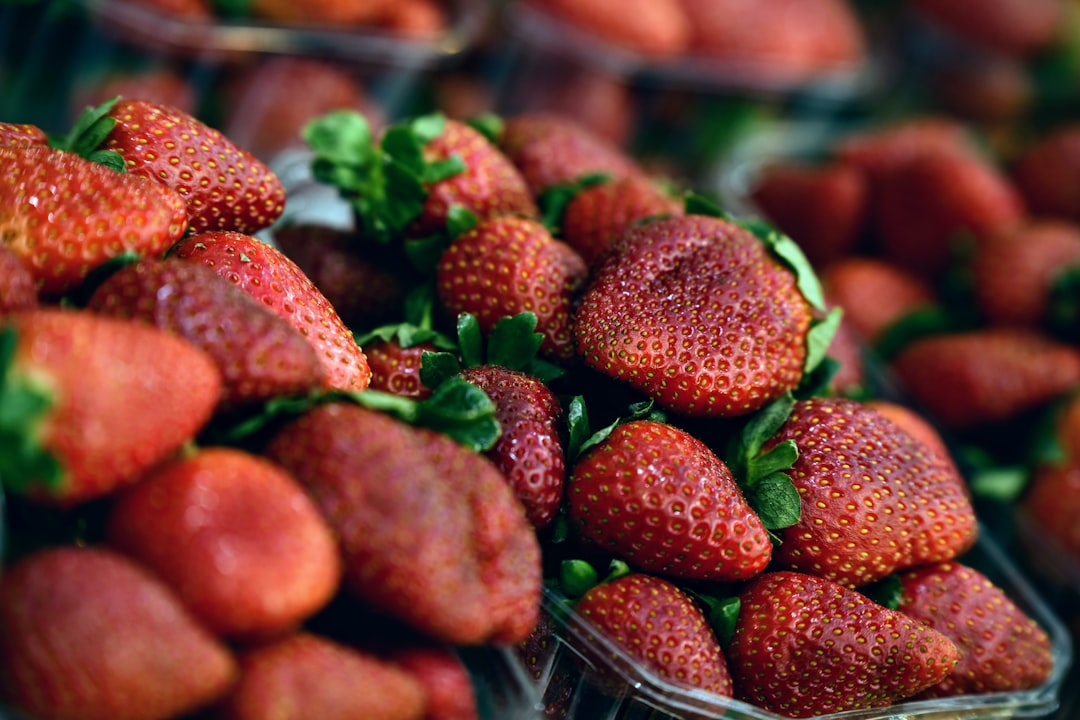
<point x="762" y="474"/>
<point x="576" y="576"/>
<point x="554" y="200"/>
<point x="25" y="402"/>
<point x="581" y="435"/>
<point x="91" y="128"/>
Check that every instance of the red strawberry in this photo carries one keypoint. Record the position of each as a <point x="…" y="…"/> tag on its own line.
<point x="529" y="450"/>
<point x="86" y="633"/>
<point x="914" y="423"/>
<point x="332" y="13"/>
<point x="1011" y="27"/>
<point x="510" y="265"/>
<point x="225" y="186"/>
<point x="806" y="646"/>
<point x="659" y="498"/>
<point x="696" y="313"/>
<point x="883" y="148"/>
<point x="65" y="216"/>
<point x="396" y="369"/>
<point x="187" y="9"/>
<point x="259" y="355"/>
<point x="22" y="134"/>
<point x="265" y="273"/>
<point x="650" y="27"/>
<point x="235" y="536"/>
<point x="303" y="676"/>
<point x="846" y="348"/>
<point x="597" y="216"/>
<point x="1047" y="172"/>
<point x="660" y="627"/>
<point x="602" y="99"/>
<point x="97" y="427"/>
<point x="1001" y="648"/>
<point x="857" y="474"/>
<point x="431" y="530"/>
<point x="979" y="377"/>
<point x="423" y="20"/>
<point x="18" y="290"/>
<point x="448" y="686"/>
<point x="875" y="293"/>
<point x="161" y="84"/>
<point x="1048" y="512"/>
<point x="821" y="207"/>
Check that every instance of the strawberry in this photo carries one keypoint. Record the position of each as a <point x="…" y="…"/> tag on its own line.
<point x="18" y="290"/>
<point x="320" y="12"/>
<point x="880" y="149"/>
<point x="821" y="207"/>
<point x="1002" y="649"/>
<point x="85" y="427"/>
<point x="86" y="633"/>
<point x="395" y="367"/>
<point x="659" y="498"/>
<point x="431" y="531"/>
<point x="225" y="186"/>
<point x="417" y="20"/>
<point x="1009" y="27"/>
<point x="65" y="216"/>
<point x="255" y="561"/>
<point x="510" y="265"/>
<point x="696" y="313"/>
<point x="650" y="27"/>
<point x="259" y="355"/>
<point x="598" y="215"/>
<point x="22" y="134"/>
<point x="160" y="84"/>
<point x="804" y="646"/>
<point x="967" y="379"/>
<point x="602" y="99"/>
<point x="302" y="675"/>
<point x="856" y="472"/>
<point x="265" y="273"/>
<point x="846" y="350"/>
<point x="660" y="627"/>
<point x="1014" y="273"/>
<point x="875" y="293"/>
<point x="914" y="423"/>
<point x="190" y="10"/>
<point x="1048" y="511"/>
<point x="1047" y="172"/>
<point x="448" y="686"/>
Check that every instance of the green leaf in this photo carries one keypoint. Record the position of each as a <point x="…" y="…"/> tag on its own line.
<point x="820" y="337"/>
<point x="759" y="427"/>
<point x="462" y="411"/>
<point x="405" y="195"/>
<point x="273" y="411"/>
<point x="779" y="458"/>
<point x="554" y="200"/>
<point x="470" y="340"/>
<point x="789" y="251"/>
<point x="489" y="125"/>
<point x="637" y="411"/>
<point x="697" y="204"/>
<point x="341" y="137"/>
<point x="722" y="615"/>
<point x="428" y="127"/>
<point x="578" y="428"/>
<point x="438" y="170"/>
<point x="1002" y="483"/>
<point x="887" y="591"/>
<point x="438" y="367"/>
<point x="402" y="145"/>
<point x="775" y="500"/>
<point x="232" y="9"/>
<point x="545" y="371"/>
<point x="577" y="577"/>
<point x="460" y="220"/>
<point x="514" y="342"/>
<point x="424" y="253"/>
<point x="817" y="381"/>
<point x="1063" y="313"/>
<point x="90" y="129"/>
<point x="108" y="158"/>
<point x="919" y="323"/>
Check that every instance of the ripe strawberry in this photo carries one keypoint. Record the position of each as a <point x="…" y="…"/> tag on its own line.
<point x="509" y="265"/>
<point x="602" y="99"/>
<point x="395" y="368"/>
<point x="265" y="273"/>
<point x="187" y="9"/>
<point x="65" y="216"/>
<point x="551" y="149"/>
<point x="967" y="379"/>
<point x="821" y="207"/>
<point x="333" y="13"/>
<point x="598" y="215"/>
<point x="431" y="531"/>
<point x="18" y="290"/>
<point x="661" y="628"/>
<point x="22" y="134"/>
<point x="225" y="186"/>
<point x="1048" y="512"/>
<point x="86" y="427"/>
<point x="1047" y="172"/>
<point x="1002" y="649"/>
<point x="914" y="423"/>
<point x="875" y="293"/>
<point x="529" y="451"/>
<point x="659" y="498"/>
<point x="448" y="686"/>
<point x="257" y="560"/>
<point x="696" y="313"/>
<point x="881" y="149"/>
<point x="417" y="20"/>
<point x="160" y="84"/>
<point x="856" y="474"/>
<point x="303" y="675"/>
<point x="806" y="646"/>
<point x="259" y="355"/>
<point x="87" y="633"/>
<point x="1010" y="27"/>
<point x="846" y="349"/>
<point x="655" y="29"/>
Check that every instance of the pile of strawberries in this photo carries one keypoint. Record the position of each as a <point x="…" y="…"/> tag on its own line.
<point x="288" y="480"/>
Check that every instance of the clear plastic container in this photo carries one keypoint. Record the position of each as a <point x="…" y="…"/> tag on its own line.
<point x="567" y="688"/>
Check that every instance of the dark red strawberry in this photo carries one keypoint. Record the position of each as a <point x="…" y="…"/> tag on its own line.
<point x="18" y="290"/>
<point x="448" y="685"/>
<point x="1010" y="27"/>
<point x="966" y="379"/>
<point x="161" y="84"/>
<point x="806" y="646"/>
<point x="235" y="536"/>
<point x="1048" y="512"/>
<point x="913" y="422"/>
<point x="87" y="633"/>
<point x="1047" y="172"/>
<point x="1002" y="649"/>
<point x="509" y="265"/>
<point x="395" y="368"/>
<point x="875" y="293"/>
<point x="659" y="498"/>
<point x="225" y="186"/>
<point x="660" y="627"/>
<point x="698" y="314"/>
<point x="858" y="475"/>
<point x="301" y="676"/>
<point x="187" y="9"/>
<point x="265" y="273"/>
<point x="103" y="399"/>
<point x="431" y="531"/>
<point x="650" y="27"/>
<point x="883" y="148"/>
<point x="22" y="134"/>
<point x="327" y="13"/>
<point x="259" y="355"/>
<point x="65" y="216"/>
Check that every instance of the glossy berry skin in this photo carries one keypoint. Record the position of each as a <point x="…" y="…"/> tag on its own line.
<point x="509" y="265"/>
<point x="697" y="314"/>
<point x="1001" y="648"/>
<point x="259" y="355"/>
<point x="268" y="275"/>
<point x="64" y="216"/>
<point x="18" y="290"/>
<point x="396" y="369"/>
<point x="448" y="685"/>
<point x="225" y="186"/>
<point x="660" y="627"/>
<point x="874" y="498"/>
<point x="659" y="498"/>
<point x="653" y="28"/>
<point x="22" y="134"/>
<point x="529" y="450"/>
<point x="875" y="293"/>
<point x="806" y="646"/>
